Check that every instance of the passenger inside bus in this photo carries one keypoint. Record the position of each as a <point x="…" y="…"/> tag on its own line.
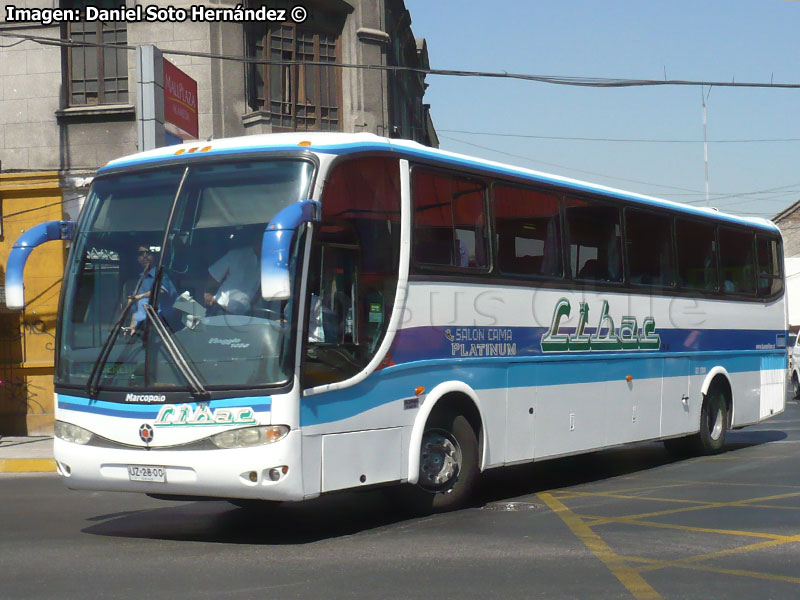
<point x="234" y="279"/>
<point x="147" y="257"/>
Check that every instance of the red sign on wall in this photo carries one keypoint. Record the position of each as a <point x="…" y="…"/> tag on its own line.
<point x="180" y="99"/>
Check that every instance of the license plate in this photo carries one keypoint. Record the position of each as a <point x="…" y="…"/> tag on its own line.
<point x="147" y="473"/>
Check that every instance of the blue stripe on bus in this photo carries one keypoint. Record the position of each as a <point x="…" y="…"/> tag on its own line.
<point x="400" y="381"/>
<point x="150" y="411"/>
<point x="342" y="149"/>
<point x="429" y="342"/>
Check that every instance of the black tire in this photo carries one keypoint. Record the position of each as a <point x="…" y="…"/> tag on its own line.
<point x="795" y="386"/>
<point x="449" y="467"/>
<point x="713" y="426"/>
<point x="713" y="423"/>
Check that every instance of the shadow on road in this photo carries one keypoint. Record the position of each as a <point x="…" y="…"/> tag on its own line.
<point x="349" y="513"/>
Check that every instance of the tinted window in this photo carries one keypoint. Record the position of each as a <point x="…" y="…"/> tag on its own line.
<point x="352" y="274"/>
<point x="649" y="241"/>
<point x="697" y="255"/>
<point x="528" y="231"/>
<point x="736" y="261"/>
<point x="769" y="268"/>
<point x="449" y="220"/>
<point x="595" y="243"/>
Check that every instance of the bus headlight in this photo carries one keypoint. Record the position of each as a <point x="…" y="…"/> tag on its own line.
<point x="250" y="436"/>
<point x="72" y="433"/>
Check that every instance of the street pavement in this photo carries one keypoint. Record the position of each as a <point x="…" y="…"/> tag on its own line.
<point x="629" y="522"/>
<point x="26" y="454"/>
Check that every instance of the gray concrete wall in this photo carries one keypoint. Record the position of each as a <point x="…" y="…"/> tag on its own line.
<point x="30" y="84"/>
<point x="365" y="106"/>
<point x="36" y="134"/>
<point x="32" y="137"/>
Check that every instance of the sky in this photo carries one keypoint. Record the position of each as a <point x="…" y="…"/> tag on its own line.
<point x="700" y="40"/>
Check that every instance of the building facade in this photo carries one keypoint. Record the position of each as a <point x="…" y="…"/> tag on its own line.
<point x="66" y="109"/>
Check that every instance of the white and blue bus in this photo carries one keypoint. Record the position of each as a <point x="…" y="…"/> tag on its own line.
<point x="278" y="317"/>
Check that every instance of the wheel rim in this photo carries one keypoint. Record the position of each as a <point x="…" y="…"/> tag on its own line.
<point x="440" y="461"/>
<point x="715" y="423"/>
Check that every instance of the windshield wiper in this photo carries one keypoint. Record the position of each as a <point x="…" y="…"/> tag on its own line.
<point x="198" y="389"/>
<point x="92" y="385"/>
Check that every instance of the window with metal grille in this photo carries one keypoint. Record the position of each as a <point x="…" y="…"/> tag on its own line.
<point x="96" y="74"/>
<point x="297" y="96"/>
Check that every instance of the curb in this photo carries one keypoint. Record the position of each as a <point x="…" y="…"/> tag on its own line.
<point x="27" y="465"/>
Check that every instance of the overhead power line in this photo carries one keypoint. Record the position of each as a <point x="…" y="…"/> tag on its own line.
<point x="549" y="164"/>
<point x="714" y="197"/>
<point x="599" y="82"/>
<point x="602" y="139"/>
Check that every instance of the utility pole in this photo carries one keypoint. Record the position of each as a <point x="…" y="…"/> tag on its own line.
<point x="705" y="139"/>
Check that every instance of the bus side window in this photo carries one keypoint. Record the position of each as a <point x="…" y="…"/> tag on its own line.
<point x="528" y="231"/>
<point x="595" y="242"/>
<point x="648" y="236"/>
<point x="737" y="261"/>
<point x="352" y="277"/>
<point x="770" y="279"/>
<point x="449" y="221"/>
<point x="697" y="255"/>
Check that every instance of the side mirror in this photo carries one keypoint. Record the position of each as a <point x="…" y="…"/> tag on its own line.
<point x="276" y="247"/>
<point x="15" y="267"/>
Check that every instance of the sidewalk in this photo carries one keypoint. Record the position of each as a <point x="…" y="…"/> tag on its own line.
<point x="26" y="454"/>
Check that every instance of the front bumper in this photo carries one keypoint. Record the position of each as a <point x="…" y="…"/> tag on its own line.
<point x="214" y="473"/>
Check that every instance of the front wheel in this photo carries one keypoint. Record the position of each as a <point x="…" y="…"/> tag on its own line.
<point x="795" y="385"/>
<point x="448" y="465"/>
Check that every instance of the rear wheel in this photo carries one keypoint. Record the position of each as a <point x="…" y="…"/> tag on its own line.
<point x="795" y="385"/>
<point x="713" y="427"/>
<point x="448" y="464"/>
<point x="713" y="423"/>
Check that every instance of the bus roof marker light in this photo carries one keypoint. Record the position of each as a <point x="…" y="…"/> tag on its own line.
<point x="304" y="143"/>
<point x="193" y="150"/>
<point x="181" y="151"/>
<point x="205" y="149"/>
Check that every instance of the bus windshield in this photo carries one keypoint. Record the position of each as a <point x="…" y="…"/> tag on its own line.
<point x="188" y="240"/>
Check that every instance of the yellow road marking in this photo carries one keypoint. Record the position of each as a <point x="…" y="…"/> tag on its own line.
<point x="742" y="573"/>
<point x="730" y="551"/>
<point x="624" y="490"/>
<point x="628" y="576"/>
<point x="778" y="506"/>
<point x="581" y="526"/>
<point x="628" y="497"/>
<point x="744" y="484"/>
<point x="27" y="465"/>
<point x="736" y="458"/>
<point x="722" y="483"/>
<point x="628" y="521"/>
<point x="736" y="503"/>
